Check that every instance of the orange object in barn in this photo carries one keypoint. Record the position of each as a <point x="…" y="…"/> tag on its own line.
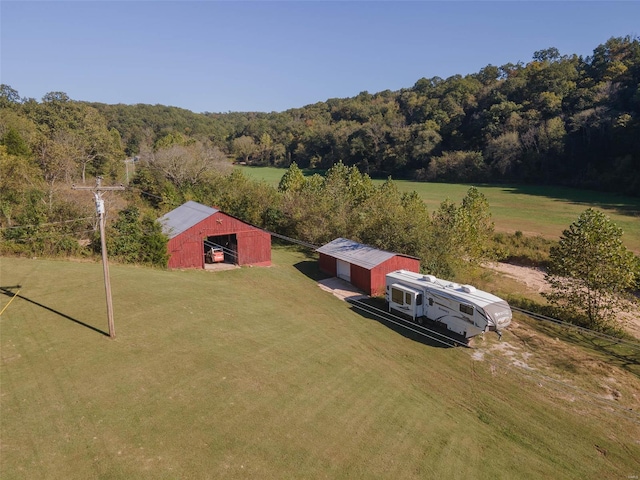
<point x="218" y="255"/>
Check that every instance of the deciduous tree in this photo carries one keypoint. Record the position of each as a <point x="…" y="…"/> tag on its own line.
<point x="590" y="269"/>
<point x="244" y="148"/>
<point x="188" y="165"/>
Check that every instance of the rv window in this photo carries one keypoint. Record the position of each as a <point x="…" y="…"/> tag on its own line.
<point x="397" y="296"/>
<point x="407" y="298"/>
<point x="468" y="309"/>
<point x="419" y="299"/>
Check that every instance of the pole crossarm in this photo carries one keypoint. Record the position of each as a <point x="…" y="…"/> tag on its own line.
<point x="97" y="193"/>
<point x="99" y="187"/>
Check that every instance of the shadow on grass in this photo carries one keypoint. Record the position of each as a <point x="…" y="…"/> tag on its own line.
<point x="624" y="205"/>
<point x="7" y="291"/>
<point x="309" y="268"/>
<point x="407" y="328"/>
<point x="622" y="355"/>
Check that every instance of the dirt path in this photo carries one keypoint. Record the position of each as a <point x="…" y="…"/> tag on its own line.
<point x="533" y="279"/>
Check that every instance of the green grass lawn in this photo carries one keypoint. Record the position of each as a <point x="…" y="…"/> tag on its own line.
<point x="257" y="373"/>
<point x="533" y="210"/>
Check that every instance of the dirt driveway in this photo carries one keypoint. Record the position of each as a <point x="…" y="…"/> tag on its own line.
<point x="533" y="279"/>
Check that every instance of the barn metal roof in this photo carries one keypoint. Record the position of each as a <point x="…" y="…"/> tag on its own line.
<point x="184" y="217"/>
<point x="356" y="253"/>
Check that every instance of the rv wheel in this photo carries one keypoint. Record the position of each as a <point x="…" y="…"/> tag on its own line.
<point x="420" y="321"/>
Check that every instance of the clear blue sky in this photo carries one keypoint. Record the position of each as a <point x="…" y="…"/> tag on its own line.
<point x="271" y="56"/>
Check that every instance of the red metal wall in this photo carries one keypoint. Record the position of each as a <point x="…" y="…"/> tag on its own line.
<point x="328" y="265"/>
<point x="254" y="247"/>
<point x="361" y="278"/>
<point x="186" y="250"/>
<point x="397" y="262"/>
<point x="372" y="282"/>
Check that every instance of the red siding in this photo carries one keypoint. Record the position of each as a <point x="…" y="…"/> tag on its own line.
<point x="372" y="282"/>
<point x="186" y="250"/>
<point x="361" y="278"/>
<point x="254" y="248"/>
<point x="328" y="265"/>
<point x="397" y="262"/>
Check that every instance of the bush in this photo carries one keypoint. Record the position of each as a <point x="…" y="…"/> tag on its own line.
<point x="134" y="238"/>
<point x="522" y="250"/>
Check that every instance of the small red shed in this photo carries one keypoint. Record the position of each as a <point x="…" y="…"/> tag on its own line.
<point x="363" y="266"/>
<point x="194" y="229"/>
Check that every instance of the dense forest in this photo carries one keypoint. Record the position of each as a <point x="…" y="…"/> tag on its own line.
<point x="558" y="119"/>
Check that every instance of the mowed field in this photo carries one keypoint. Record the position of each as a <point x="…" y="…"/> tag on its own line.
<point x="258" y="373"/>
<point x="533" y="210"/>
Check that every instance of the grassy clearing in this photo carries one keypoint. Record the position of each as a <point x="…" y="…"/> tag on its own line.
<point x="534" y="210"/>
<point x="256" y="372"/>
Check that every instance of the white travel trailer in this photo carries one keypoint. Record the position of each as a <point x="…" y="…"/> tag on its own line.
<point x="462" y="308"/>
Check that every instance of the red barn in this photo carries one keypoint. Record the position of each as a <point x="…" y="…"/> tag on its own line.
<point x="361" y="265"/>
<point x="194" y="229"/>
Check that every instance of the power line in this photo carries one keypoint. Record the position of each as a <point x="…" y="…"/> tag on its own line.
<point x="534" y="315"/>
<point x="7" y="305"/>
<point x="291" y="240"/>
<point x="98" y="190"/>
<point x="571" y="326"/>
<point x="47" y="224"/>
<point x="146" y="193"/>
<point x="552" y="383"/>
<point x="401" y="322"/>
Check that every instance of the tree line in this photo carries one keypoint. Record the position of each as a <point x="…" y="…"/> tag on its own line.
<point x="558" y="119"/>
<point x="48" y="146"/>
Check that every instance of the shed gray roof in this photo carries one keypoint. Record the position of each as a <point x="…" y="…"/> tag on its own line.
<point x="356" y="253"/>
<point x="184" y="217"/>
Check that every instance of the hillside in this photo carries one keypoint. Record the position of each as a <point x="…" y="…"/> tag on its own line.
<point x="559" y="119"/>
<point x="257" y="372"/>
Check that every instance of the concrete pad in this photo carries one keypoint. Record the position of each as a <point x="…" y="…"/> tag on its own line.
<point x="217" y="267"/>
<point x="341" y="289"/>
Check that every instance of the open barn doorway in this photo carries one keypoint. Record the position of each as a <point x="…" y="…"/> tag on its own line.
<point x="221" y="249"/>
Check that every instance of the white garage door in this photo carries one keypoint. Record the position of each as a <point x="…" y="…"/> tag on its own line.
<point x="344" y="270"/>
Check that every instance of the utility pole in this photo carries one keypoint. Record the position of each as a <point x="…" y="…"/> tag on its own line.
<point x="97" y="193"/>
<point x="131" y="161"/>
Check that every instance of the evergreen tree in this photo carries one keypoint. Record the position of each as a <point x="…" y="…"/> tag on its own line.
<point x="293" y="179"/>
